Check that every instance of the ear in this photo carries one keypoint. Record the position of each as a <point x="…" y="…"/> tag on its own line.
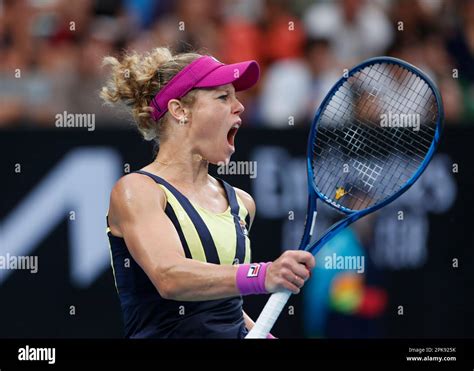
<point x="177" y="109"/>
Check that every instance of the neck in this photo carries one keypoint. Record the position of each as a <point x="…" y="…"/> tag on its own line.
<point x="181" y="166"/>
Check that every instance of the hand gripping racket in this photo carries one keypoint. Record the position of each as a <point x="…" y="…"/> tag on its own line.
<point x="372" y="137"/>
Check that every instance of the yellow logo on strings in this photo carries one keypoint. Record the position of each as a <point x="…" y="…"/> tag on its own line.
<point x="340" y="192"/>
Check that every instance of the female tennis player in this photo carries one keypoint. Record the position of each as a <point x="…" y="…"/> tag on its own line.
<point x="178" y="237"/>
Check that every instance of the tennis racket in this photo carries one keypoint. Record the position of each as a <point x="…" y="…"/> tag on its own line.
<point x="372" y="137"/>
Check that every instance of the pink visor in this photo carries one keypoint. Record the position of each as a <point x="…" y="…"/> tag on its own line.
<point x="204" y="72"/>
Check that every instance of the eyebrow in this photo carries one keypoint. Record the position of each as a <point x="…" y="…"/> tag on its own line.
<point x="227" y="90"/>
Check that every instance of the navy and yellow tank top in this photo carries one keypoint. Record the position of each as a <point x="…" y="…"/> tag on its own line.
<point x="219" y="238"/>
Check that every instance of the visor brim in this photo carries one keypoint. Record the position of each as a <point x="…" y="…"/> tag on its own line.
<point x="242" y="75"/>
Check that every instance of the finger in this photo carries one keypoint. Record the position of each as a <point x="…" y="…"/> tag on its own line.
<point x="307" y="259"/>
<point x="301" y="271"/>
<point x="291" y="287"/>
<point x="294" y="279"/>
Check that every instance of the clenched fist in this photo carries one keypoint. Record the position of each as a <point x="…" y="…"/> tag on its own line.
<point x="289" y="271"/>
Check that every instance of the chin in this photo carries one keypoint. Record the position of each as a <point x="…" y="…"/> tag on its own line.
<point x="219" y="160"/>
<point x="218" y="156"/>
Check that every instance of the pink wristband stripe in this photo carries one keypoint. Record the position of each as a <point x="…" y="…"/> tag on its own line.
<point x="250" y="278"/>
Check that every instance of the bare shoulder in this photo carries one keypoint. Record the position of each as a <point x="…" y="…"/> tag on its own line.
<point x="131" y="195"/>
<point x="244" y="196"/>
<point x="248" y="201"/>
<point x="136" y="189"/>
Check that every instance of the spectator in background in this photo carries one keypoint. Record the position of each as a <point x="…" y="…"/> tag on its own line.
<point x="441" y="65"/>
<point x="198" y="22"/>
<point x="15" y="38"/>
<point x="143" y="13"/>
<point x="104" y="34"/>
<point x="47" y="85"/>
<point x="11" y="91"/>
<point x="284" y="36"/>
<point x="285" y="93"/>
<point x="56" y="61"/>
<point x="325" y="71"/>
<point x="242" y="39"/>
<point x="357" y="29"/>
<point x="460" y="45"/>
<point x="346" y="302"/>
<point x="294" y="88"/>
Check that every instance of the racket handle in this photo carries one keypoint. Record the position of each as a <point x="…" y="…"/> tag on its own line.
<point x="269" y="315"/>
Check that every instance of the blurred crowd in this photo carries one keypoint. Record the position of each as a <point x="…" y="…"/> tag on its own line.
<point x="51" y="50"/>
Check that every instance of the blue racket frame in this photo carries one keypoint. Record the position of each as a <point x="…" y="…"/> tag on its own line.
<point x="314" y="194"/>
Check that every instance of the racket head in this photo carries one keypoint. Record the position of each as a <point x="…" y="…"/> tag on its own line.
<point x="385" y="71"/>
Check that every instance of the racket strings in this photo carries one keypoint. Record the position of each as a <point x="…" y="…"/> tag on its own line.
<point x="338" y="157"/>
<point x="373" y="135"/>
<point x="393" y="138"/>
<point x="395" y="104"/>
<point x="336" y="103"/>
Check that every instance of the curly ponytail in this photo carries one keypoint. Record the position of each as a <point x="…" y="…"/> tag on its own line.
<point x="135" y="80"/>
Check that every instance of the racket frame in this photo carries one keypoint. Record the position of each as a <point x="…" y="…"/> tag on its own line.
<point x="353" y="215"/>
<point x="278" y="300"/>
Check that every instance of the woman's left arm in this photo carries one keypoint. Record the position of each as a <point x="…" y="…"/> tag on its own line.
<point x="249" y="204"/>
<point x="248" y="322"/>
<point x="251" y="208"/>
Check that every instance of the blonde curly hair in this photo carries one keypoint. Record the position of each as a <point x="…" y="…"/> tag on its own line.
<point x="135" y="80"/>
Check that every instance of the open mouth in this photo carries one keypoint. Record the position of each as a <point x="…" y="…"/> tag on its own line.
<point x="231" y="134"/>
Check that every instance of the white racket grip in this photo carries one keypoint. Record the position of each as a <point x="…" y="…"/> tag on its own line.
<point x="269" y="315"/>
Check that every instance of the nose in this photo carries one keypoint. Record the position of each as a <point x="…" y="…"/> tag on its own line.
<point x="238" y="107"/>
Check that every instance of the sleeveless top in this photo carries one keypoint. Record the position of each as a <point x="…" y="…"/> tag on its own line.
<point x="218" y="238"/>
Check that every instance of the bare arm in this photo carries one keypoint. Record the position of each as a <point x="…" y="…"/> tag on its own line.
<point x="285" y="268"/>
<point x="137" y="214"/>
<point x="139" y="217"/>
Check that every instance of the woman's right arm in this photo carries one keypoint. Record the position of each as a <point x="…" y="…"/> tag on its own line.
<point x="137" y="209"/>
